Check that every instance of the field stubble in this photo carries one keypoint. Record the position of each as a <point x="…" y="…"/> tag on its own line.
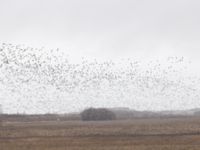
<point x="136" y="134"/>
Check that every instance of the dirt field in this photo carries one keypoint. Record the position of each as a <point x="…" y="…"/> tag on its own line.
<point x="138" y="134"/>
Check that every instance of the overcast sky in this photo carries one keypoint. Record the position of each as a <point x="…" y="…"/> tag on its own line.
<point x="105" y="29"/>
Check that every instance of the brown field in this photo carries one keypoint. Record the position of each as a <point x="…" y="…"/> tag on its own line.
<point x="136" y="134"/>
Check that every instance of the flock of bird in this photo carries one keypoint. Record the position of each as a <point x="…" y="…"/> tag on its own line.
<point x="39" y="77"/>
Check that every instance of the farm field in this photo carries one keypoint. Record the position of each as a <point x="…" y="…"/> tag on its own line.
<point x="137" y="134"/>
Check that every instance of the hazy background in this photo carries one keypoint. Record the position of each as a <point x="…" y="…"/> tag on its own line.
<point x="102" y="30"/>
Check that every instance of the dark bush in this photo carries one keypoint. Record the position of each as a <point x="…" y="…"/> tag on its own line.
<point x="93" y="114"/>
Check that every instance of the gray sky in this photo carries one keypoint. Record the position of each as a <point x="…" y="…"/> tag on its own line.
<point x="106" y="29"/>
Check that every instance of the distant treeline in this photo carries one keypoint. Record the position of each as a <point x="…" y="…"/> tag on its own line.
<point x="40" y="117"/>
<point x="97" y="114"/>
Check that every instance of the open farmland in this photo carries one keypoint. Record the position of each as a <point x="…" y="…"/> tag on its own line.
<point x="138" y="134"/>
